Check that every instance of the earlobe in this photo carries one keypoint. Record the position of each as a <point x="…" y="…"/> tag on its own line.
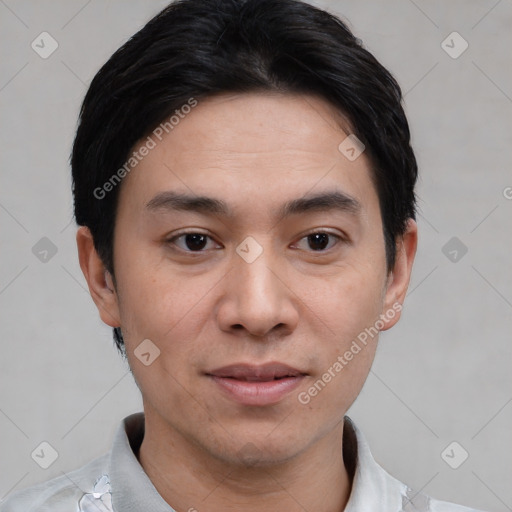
<point x="99" y="280"/>
<point x="400" y="275"/>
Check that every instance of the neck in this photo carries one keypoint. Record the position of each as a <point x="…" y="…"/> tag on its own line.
<point x="189" y="478"/>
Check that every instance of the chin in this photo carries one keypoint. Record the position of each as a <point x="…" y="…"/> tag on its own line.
<point x="256" y="450"/>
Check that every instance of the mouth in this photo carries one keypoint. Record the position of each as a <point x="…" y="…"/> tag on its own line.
<point x="257" y="384"/>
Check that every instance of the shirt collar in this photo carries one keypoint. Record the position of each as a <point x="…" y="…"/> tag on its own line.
<point x="132" y="490"/>
<point x="372" y="487"/>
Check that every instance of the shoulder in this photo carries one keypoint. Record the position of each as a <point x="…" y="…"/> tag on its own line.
<point x="374" y="489"/>
<point x="62" y="493"/>
<point x="418" y="502"/>
<point x="445" y="506"/>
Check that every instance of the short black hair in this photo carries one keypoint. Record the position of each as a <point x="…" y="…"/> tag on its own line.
<point x="195" y="49"/>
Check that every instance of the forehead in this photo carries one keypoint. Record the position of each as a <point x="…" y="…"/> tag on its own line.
<point x="262" y="145"/>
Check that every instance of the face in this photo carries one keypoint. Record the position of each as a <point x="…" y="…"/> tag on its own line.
<point x="250" y="252"/>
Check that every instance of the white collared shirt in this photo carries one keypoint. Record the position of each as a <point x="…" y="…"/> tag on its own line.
<point x="116" y="482"/>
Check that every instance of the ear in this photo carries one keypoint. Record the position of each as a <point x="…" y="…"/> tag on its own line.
<point x="400" y="275"/>
<point x="99" y="280"/>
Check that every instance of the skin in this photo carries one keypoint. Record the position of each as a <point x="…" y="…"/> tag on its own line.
<point x="210" y="309"/>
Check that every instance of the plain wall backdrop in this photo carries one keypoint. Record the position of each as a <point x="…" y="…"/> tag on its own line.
<point x="441" y="375"/>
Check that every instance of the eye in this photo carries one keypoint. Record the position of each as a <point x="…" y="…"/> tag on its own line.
<point x="320" y="241"/>
<point x="193" y="242"/>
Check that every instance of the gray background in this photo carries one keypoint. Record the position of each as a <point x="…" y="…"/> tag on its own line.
<point x="442" y="375"/>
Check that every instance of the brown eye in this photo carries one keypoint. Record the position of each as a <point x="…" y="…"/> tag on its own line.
<point x="192" y="242"/>
<point x="195" y="241"/>
<point x="318" y="242"/>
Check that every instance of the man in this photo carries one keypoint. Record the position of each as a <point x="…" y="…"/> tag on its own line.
<point x="244" y="183"/>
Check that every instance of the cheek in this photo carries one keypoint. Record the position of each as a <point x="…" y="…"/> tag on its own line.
<point x="348" y="306"/>
<point x="174" y="322"/>
<point x="347" y="302"/>
<point x="345" y="354"/>
<point x="173" y="311"/>
<point x="154" y="300"/>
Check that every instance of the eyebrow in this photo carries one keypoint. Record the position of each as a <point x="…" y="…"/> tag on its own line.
<point x="331" y="200"/>
<point x="334" y="200"/>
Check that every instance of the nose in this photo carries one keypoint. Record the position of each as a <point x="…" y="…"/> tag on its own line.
<point x="257" y="298"/>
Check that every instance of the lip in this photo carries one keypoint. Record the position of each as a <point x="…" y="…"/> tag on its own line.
<point x="257" y="385"/>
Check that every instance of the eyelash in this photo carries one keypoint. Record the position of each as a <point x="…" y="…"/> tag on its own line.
<point x="172" y="241"/>
<point x="338" y="239"/>
<point x="184" y="234"/>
